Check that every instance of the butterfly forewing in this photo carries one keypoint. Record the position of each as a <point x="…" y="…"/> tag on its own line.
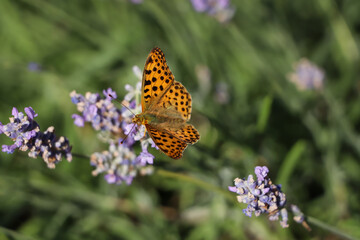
<point x="157" y="78"/>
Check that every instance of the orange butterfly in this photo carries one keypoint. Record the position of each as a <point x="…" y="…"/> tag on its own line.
<point x="166" y="107"/>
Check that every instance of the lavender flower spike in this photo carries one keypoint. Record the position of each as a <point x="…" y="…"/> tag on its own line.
<point x="261" y="196"/>
<point x="26" y="134"/>
<point x="120" y="163"/>
<point x="219" y="9"/>
<point x="307" y="76"/>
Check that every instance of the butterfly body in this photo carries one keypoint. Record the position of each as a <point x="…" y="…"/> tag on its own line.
<point x="166" y="107"/>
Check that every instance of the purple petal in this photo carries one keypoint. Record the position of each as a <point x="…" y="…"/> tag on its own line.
<point x="132" y="104"/>
<point x="129" y="88"/>
<point x="76" y="98"/>
<point x="261" y="172"/>
<point x="8" y="149"/>
<point x="129" y="129"/>
<point x="110" y="178"/>
<point x="30" y="113"/>
<point x="129" y="180"/>
<point x="223" y="3"/>
<point x="34" y="67"/>
<point x="232" y="189"/>
<point x="200" y="5"/>
<point x="145" y="158"/>
<point x="137" y="1"/>
<point x="247" y="212"/>
<point x="78" y="120"/>
<point x="153" y="145"/>
<point x="109" y="94"/>
<point x="15" y="112"/>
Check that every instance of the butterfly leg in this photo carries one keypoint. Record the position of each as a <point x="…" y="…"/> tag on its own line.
<point x="145" y="132"/>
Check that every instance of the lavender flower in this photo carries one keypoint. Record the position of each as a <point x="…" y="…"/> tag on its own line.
<point x="136" y="1"/>
<point x="307" y="76"/>
<point x="261" y="196"/>
<point x="220" y="9"/>
<point x="222" y="93"/>
<point x="26" y="134"/>
<point x="100" y="112"/>
<point x="120" y="163"/>
<point x="34" y="67"/>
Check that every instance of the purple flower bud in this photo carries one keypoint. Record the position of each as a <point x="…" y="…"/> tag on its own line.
<point x="30" y="113"/>
<point x="15" y="112"/>
<point x="261" y="172"/>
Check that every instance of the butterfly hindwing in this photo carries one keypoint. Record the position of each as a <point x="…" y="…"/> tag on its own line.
<point x="170" y="145"/>
<point x="187" y="134"/>
<point x="157" y="78"/>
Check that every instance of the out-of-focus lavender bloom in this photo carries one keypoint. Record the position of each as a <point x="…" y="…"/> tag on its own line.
<point x="132" y="91"/>
<point x="307" y="76"/>
<point x="261" y="196"/>
<point x="203" y="75"/>
<point x="138" y="72"/>
<point x="26" y="134"/>
<point x="34" y="67"/>
<point x="137" y="1"/>
<point x="222" y="93"/>
<point x="220" y="9"/>
<point x="120" y="163"/>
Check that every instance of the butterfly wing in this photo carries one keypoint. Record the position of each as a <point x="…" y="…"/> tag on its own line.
<point x="157" y="78"/>
<point x="168" y="99"/>
<point x="187" y="133"/>
<point x="178" y="98"/>
<point x="170" y="145"/>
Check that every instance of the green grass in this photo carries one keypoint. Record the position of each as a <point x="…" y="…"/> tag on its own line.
<point x="309" y="140"/>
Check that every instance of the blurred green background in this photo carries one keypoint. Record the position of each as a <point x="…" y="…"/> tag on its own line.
<point x="247" y="111"/>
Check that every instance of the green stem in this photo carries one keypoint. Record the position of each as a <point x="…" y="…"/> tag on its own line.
<point x="329" y="228"/>
<point x="197" y="182"/>
<point x="78" y="155"/>
<point x="14" y="234"/>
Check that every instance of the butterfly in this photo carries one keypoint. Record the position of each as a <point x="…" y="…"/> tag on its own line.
<point x="166" y="107"/>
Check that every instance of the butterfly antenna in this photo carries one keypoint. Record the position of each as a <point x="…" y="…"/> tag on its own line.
<point x="122" y="141"/>
<point x="121" y="103"/>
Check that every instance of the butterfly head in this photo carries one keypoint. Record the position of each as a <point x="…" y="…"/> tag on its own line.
<point x="140" y="119"/>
